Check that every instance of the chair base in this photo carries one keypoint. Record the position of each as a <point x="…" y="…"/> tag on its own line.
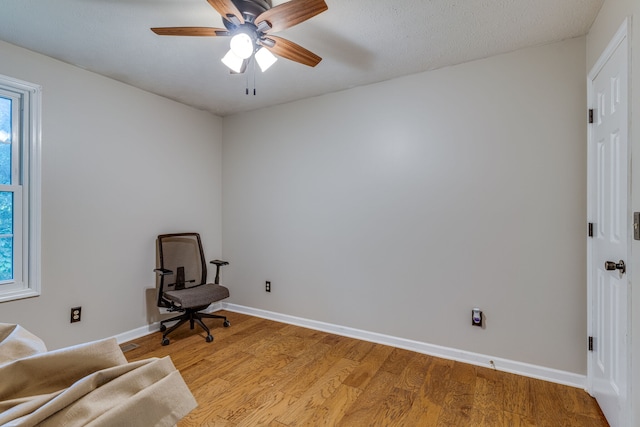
<point x="192" y="316"/>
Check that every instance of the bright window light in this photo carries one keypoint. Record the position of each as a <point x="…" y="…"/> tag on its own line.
<point x="20" y="115"/>
<point x="265" y="59"/>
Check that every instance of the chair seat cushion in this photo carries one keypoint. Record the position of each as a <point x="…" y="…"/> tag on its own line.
<point x="198" y="296"/>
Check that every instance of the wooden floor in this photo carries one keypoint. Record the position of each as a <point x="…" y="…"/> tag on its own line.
<point x="263" y="373"/>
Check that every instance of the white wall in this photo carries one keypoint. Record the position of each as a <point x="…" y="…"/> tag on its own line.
<point x="393" y="208"/>
<point x="397" y="207"/>
<point x="609" y="19"/>
<point x="119" y="166"/>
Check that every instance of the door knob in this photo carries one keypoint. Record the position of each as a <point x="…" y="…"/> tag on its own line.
<point x="612" y="265"/>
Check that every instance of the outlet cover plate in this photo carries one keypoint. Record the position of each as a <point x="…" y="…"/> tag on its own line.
<point x="76" y="313"/>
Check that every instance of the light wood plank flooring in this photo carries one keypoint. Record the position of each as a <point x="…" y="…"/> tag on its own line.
<point x="263" y="373"/>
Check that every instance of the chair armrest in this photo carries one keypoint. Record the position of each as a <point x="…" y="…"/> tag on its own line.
<point x="218" y="264"/>
<point x="163" y="271"/>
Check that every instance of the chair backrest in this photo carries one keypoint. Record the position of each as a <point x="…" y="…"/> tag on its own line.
<point x="181" y="253"/>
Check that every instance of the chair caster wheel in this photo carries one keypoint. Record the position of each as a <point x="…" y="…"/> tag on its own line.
<point x="163" y="328"/>
<point x="209" y="338"/>
<point x="226" y="324"/>
<point x="165" y="341"/>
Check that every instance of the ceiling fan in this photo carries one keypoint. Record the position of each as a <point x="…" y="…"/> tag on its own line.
<point x="250" y="24"/>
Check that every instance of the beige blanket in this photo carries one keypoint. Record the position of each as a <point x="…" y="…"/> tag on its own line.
<point x="85" y="385"/>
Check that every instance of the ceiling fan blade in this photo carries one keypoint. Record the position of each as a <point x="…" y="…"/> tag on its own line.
<point x="191" y="31"/>
<point x="291" y="13"/>
<point x="226" y="8"/>
<point x="292" y="51"/>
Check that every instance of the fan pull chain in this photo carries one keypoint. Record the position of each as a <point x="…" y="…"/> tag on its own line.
<point x="246" y="91"/>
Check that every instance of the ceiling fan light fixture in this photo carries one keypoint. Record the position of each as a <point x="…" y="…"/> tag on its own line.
<point x="250" y="23"/>
<point x="265" y="59"/>
<point x="242" y="45"/>
<point x="233" y="61"/>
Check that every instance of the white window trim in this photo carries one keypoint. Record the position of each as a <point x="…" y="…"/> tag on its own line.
<point x="31" y="95"/>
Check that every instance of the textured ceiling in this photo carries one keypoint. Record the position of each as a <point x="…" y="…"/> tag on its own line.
<point x="360" y="41"/>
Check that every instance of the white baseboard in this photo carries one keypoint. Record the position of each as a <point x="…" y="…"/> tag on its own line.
<point x="505" y="365"/>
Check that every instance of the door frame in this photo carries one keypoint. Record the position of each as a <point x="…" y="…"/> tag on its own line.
<point x="619" y="37"/>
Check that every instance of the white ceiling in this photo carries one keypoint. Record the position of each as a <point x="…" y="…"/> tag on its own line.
<point x="360" y="41"/>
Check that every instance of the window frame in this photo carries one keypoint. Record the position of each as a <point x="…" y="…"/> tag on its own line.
<point x="26" y="188"/>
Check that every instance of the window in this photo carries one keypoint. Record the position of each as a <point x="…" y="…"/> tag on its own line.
<point x="19" y="189"/>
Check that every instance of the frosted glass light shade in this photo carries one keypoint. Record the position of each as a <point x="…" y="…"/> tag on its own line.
<point x="241" y="45"/>
<point x="265" y="59"/>
<point x="232" y="61"/>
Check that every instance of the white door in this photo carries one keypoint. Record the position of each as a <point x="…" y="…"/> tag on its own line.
<point x="609" y="246"/>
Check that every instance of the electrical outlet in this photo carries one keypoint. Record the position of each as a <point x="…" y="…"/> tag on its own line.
<point x="476" y="317"/>
<point x="267" y="286"/>
<point x="75" y="314"/>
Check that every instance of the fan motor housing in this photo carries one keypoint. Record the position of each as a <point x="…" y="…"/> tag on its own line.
<point x="250" y="10"/>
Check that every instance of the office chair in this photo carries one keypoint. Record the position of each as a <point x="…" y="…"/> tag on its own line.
<point x="183" y="282"/>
